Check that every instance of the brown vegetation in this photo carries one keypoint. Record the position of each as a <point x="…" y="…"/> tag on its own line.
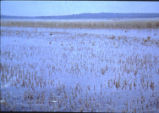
<point x="86" y="24"/>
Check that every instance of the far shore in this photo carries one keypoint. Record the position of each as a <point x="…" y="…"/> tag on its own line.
<point x="78" y="23"/>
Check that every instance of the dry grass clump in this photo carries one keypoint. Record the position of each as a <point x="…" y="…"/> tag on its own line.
<point x="137" y="62"/>
<point x="148" y="39"/>
<point x="152" y="85"/>
<point x="149" y="42"/>
<point x="117" y="84"/>
<point x="112" y="37"/>
<point x="103" y="70"/>
<point x="75" y="69"/>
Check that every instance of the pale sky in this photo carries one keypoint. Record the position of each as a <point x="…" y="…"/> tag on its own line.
<point x="50" y="8"/>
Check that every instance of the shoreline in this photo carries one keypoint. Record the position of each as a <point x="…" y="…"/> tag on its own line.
<point x="99" y="24"/>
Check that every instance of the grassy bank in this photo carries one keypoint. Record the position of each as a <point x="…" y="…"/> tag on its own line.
<point x="118" y="24"/>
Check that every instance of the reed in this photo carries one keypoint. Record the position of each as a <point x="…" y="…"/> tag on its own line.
<point x="116" y="24"/>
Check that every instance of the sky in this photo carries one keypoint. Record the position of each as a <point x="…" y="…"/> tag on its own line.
<point x="55" y="8"/>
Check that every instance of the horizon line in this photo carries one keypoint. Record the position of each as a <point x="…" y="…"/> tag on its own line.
<point x="78" y="14"/>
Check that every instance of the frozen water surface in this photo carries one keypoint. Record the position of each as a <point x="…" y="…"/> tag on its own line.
<point x="57" y="69"/>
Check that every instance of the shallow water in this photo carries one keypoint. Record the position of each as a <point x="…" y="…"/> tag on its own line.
<point x="107" y="70"/>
